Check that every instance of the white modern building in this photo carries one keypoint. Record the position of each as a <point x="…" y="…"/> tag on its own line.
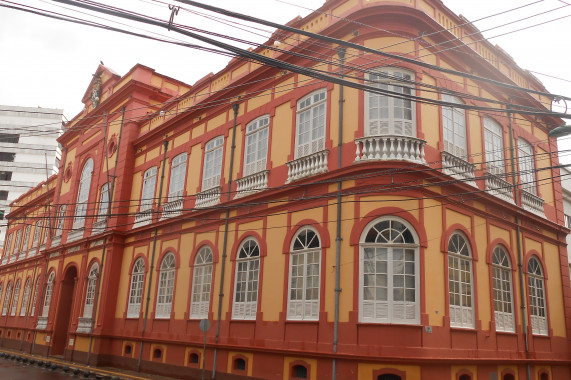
<point x="29" y="151"/>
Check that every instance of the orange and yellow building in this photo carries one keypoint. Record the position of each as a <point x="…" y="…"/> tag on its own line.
<point x="323" y="231"/>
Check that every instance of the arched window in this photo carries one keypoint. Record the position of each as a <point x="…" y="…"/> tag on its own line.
<point x="526" y="162"/>
<point x="166" y="286"/>
<point x="311" y="122"/>
<point x="178" y="177"/>
<point x="1" y="286"/>
<point x="90" y="292"/>
<point x="389" y="280"/>
<point x="48" y="296"/>
<point x="460" y="282"/>
<point x="256" y="150"/>
<point x="201" y="284"/>
<point x="17" y="242"/>
<point x="136" y="290"/>
<point x="502" y="282"/>
<point x="26" y="240"/>
<point x="536" y="288"/>
<point x="494" y="146"/>
<point x="7" y="246"/>
<point x="7" y="297"/>
<point x="389" y="376"/>
<point x="35" y="299"/>
<point x="388" y="115"/>
<point x="103" y="203"/>
<point x="16" y="297"/>
<point x="36" y="235"/>
<point x="60" y="220"/>
<point x="25" y="298"/>
<point x="299" y="372"/>
<point x="454" y="127"/>
<point x="246" y="281"/>
<point x="148" y="193"/>
<point x="465" y="377"/>
<point x="304" y="276"/>
<point x="213" y="151"/>
<point x="83" y="195"/>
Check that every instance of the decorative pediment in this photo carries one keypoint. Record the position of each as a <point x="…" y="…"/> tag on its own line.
<point x="103" y="79"/>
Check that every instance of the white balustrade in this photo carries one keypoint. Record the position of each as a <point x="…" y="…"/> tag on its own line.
<point x="172" y="208"/>
<point x="99" y="227"/>
<point x="458" y="168"/>
<point x="75" y="234"/>
<point x="390" y="148"/>
<point x="56" y="240"/>
<point x="208" y="198"/>
<point x="84" y="325"/>
<point x="42" y="323"/>
<point x="306" y="166"/>
<point x="532" y="203"/>
<point x="499" y="187"/>
<point x="252" y="183"/>
<point x="142" y="218"/>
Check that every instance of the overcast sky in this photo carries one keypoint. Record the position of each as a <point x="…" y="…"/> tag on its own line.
<point x="49" y="63"/>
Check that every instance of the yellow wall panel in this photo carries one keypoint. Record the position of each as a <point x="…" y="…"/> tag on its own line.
<point x="259" y="99"/>
<point x="216" y="121"/>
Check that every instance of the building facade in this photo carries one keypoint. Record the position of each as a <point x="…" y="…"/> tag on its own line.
<point x="29" y="151"/>
<point x="263" y="223"/>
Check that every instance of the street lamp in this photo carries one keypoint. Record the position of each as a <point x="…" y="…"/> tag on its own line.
<point x="560" y="131"/>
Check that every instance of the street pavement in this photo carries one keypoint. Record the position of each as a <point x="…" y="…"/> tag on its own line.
<point x="13" y="370"/>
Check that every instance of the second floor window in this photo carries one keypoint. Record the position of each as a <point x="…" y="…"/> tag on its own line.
<point x="148" y="193"/>
<point x="103" y="203"/>
<point x="60" y="219"/>
<point x="256" y="145"/>
<point x="454" y="127"/>
<point x="526" y="166"/>
<point x="212" y="163"/>
<point x="494" y="146"/>
<point x="178" y="177"/>
<point x="17" y="242"/>
<point x="83" y="195"/>
<point x="390" y="115"/>
<point x="311" y="121"/>
<point x="36" y="234"/>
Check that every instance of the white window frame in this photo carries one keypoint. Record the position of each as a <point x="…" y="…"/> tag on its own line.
<point x="454" y="127"/>
<point x="8" y="245"/>
<point x="37" y="230"/>
<point x="148" y="190"/>
<point x="177" y="177"/>
<point x="536" y="291"/>
<point x="526" y="161"/>
<point x="48" y="295"/>
<point x="60" y="220"/>
<point x="7" y="297"/>
<point x="212" y="169"/>
<point x="1" y="286"/>
<point x="502" y="289"/>
<point x="399" y="116"/>
<point x="25" y="299"/>
<point x="35" y="298"/>
<point x="311" y="123"/>
<point x="401" y="252"/>
<point x="136" y="289"/>
<point x="103" y="203"/>
<point x="83" y="195"/>
<point x="201" y="283"/>
<point x="16" y="297"/>
<point x="460" y="282"/>
<point x="304" y="283"/>
<point x="26" y="240"/>
<point x="165" y="290"/>
<point x="92" y="279"/>
<point x="17" y="242"/>
<point x="256" y="145"/>
<point x="494" y="146"/>
<point x="246" y="280"/>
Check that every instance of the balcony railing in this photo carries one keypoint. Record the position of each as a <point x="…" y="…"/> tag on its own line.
<point x="42" y="323"/>
<point x="390" y="148"/>
<point x="208" y="198"/>
<point x="499" y="187"/>
<point x="99" y="226"/>
<point x="75" y="234"/>
<point x="142" y="218"/>
<point x="458" y="168"/>
<point x="84" y="325"/>
<point x="172" y="208"/>
<point x="252" y="183"/>
<point x="306" y="166"/>
<point x="532" y="203"/>
<point x="56" y="240"/>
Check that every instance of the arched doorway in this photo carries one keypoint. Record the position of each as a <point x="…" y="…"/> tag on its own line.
<point x="64" y="305"/>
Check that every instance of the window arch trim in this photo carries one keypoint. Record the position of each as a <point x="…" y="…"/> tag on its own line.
<point x="250" y="235"/>
<point x="292" y="232"/>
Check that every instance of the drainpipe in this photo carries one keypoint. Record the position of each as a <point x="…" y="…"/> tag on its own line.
<point x="235" y="107"/>
<point x="519" y="248"/>
<point x="109" y="202"/>
<point x="338" y="238"/>
<point x="165" y="145"/>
